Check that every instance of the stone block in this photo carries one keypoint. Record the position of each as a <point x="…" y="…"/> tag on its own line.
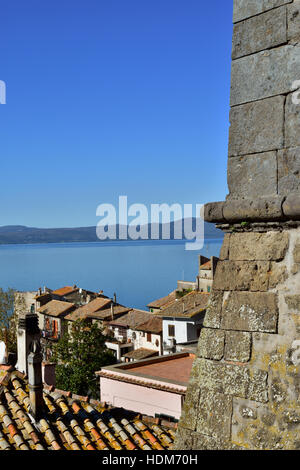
<point x="293" y="302"/>
<point x="236" y="380"/>
<point x="278" y="274"/>
<point x="250" y="311"/>
<point x="291" y="206"/>
<point x="269" y="246"/>
<point x="242" y="275"/>
<point x="237" y="346"/>
<point x="296" y="252"/>
<point x="264" y="209"/>
<point x="250" y="175"/>
<point x="213" y="212"/>
<point x="212" y="317"/>
<point x="265" y="74"/>
<point x="292" y="120"/>
<point x="258" y="386"/>
<point x="188" y="419"/>
<point x="293" y="20"/>
<point x="224" y="252"/>
<point x="246" y="8"/>
<point x="259" y="33"/>
<point x="210" y="375"/>
<point x="289" y="171"/>
<point x="257" y="127"/>
<point x="211" y="344"/>
<point x="214" y="415"/>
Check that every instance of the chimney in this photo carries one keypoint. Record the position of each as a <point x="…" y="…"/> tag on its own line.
<point x="112" y="310"/>
<point x="35" y="381"/>
<point x="115" y="298"/>
<point x="28" y="331"/>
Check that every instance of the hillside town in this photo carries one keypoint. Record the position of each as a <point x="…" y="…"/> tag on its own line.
<point x="141" y="393"/>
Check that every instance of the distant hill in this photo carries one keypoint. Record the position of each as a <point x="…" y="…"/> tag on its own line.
<point x="19" y="234"/>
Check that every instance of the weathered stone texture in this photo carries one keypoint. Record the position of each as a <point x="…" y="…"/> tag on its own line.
<point x="214" y="415"/>
<point x="257" y="127"/>
<point x="259" y="33"/>
<point x="246" y="8"/>
<point x="237" y="346"/>
<point x="289" y="170"/>
<point x="258" y="386"/>
<point x="296" y="252"/>
<point x="211" y="344"/>
<point x="292" y="122"/>
<point x="269" y="246"/>
<point x="291" y="206"/>
<point x="246" y="175"/>
<point x="293" y="302"/>
<point x="224" y="252"/>
<point x="214" y="212"/>
<point x="213" y="313"/>
<point x="250" y="311"/>
<point x="294" y="20"/>
<point x="242" y="275"/>
<point x="241" y="210"/>
<point x="188" y="419"/>
<point x="265" y="74"/>
<point x="277" y="275"/>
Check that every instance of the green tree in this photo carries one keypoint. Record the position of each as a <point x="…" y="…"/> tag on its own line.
<point x="78" y="355"/>
<point x="8" y="319"/>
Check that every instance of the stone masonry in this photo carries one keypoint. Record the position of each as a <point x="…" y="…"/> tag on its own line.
<point x="244" y="390"/>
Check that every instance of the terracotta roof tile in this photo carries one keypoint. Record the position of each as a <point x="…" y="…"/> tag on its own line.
<point x="153" y="325"/>
<point x="70" y="424"/>
<point x="89" y="309"/>
<point x="132" y="319"/>
<point x="56" y="308"/>
<point x="163" y="301"/>
<point x="141" y="353"/>
<point x="64" y="290"/>
<point x="187" y="306"/>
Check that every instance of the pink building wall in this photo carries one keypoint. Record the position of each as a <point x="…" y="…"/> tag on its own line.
<point x="140" y="399"/>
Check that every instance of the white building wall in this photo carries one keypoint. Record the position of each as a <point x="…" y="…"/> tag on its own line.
<point x="185" y="330"/>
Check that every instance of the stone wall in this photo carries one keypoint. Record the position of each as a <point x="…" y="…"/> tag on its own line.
<point x="245" y="383"/>
<point x="264" y="136"/>
<point x="244" y="391"/>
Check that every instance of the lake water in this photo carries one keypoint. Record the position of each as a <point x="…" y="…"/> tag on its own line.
<point x="138" y="272"/>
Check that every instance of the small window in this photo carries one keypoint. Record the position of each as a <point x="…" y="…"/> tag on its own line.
<point x="171" y="329"/>
<point x="149" y="338"/>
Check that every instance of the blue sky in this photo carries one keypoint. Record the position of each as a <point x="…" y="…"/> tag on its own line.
<point x="109" y="98"/>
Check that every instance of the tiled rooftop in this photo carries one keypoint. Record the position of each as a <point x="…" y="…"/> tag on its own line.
<point x="141" y="353"/>
<point x="71" y="422"/>
<point x="131" y="319"/>
<point x="89" y="308"/>
<point x="153" y="325"/>
<point x="206" y="265"/>
<point x="64" y="290"/>
<point x="55" y="308"/>
<point x="187" y="306"/>
<point x="164" y="301"/>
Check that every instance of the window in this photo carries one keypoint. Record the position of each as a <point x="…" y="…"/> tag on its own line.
<point x="149" y="338"/>
<point x="171" y="330"/>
